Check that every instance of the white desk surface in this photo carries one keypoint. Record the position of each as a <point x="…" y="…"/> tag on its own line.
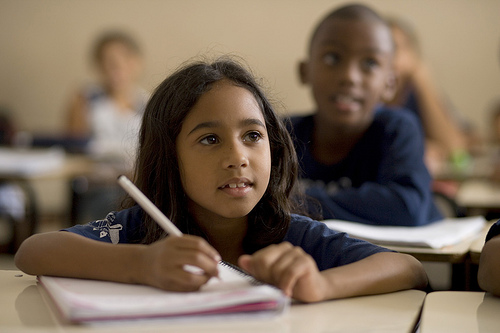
<point x="459" y="311"/>
<point x="25" y="309"/>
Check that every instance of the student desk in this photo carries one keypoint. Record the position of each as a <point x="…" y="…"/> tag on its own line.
<point x="479" y="196"/>
<point x="25" y="309"/>
<point x="454" y="254"/>
<point x="463" y="256"/>
<point x="65" y="168"/>
<point x="456" y="311"/>
<point x="481" y="166"/>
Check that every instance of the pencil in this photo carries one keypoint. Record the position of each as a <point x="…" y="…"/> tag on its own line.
<point x="155" y="213"/>
<point x="148" y="206"/>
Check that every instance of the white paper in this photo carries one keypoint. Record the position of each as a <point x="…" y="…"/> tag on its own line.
<point x="435" y="235"/>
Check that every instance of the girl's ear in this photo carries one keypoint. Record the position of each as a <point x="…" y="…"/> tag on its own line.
<point x="303" y="70"/>
<point x="390" y="87"/>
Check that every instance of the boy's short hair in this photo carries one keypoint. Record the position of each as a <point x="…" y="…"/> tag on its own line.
<point x="349" y="12"/>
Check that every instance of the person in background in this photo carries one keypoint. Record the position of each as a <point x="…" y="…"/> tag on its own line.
<point x="217" y="160"/>
<point x="447" y="135"/>
<point x="109" y="112"/>
<point x="495" y="124"/>
<point x="360" y="161"/>
<point x="494" y="140"/>
<point x="107" y="116"/>
<point x="488" y="276"/>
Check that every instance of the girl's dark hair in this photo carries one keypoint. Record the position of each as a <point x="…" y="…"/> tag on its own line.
<point x="157" y="171"/>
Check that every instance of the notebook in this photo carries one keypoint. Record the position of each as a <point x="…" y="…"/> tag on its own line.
<point x="90" y="301"/>
<point x="436" y="235"/>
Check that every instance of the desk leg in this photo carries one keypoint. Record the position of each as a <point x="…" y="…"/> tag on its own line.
<point x="26" y="228"/>
<point x="464" y="276"/>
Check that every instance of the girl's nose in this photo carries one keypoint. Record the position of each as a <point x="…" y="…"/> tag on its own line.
<point x="235" y="156"/>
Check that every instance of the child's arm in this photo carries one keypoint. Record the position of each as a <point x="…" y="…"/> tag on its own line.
<point x="77" y="122"/>
<point x="295" y="272"/>
<point x="400" y="193"/>
<point x="439" y="124"/>
<point x="488" y="275"/>
<point x="159" y="264"/>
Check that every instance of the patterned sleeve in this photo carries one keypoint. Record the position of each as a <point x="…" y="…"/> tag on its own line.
<point x="117" y="227"/>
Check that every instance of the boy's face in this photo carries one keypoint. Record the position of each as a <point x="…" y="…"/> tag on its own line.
<point x="224" y="154"/>
<point x="349" y="71"/>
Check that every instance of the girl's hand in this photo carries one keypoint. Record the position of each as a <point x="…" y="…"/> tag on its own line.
<point x="288" y="268"/>
<point x="165" y="263"/>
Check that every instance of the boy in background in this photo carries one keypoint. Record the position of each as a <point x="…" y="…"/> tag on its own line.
<point x="361" y="161"/>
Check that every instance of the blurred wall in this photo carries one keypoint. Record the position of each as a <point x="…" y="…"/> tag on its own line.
<point x="44" y="46"/>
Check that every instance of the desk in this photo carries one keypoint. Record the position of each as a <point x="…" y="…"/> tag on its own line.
<point x="63" y="170"/>
<point x="451" y="311"/>
<point x="454" y="254"/>
<point x="481" y="166"/>
<point x="24" y="308"/>
<point x="479" y="196"/>
<point x="463" y="257"/>
<point x="23" y="168"/>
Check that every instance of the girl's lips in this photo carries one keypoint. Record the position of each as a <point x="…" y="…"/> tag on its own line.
<point x="237" y="188"/>
<point x="237" y="192"/>
<point x="236" y="183"/>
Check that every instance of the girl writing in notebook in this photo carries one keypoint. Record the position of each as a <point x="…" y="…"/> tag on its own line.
<point x="217" y="160"/>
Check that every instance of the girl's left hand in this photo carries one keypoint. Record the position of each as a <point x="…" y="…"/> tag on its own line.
<point x="289" y="268"/>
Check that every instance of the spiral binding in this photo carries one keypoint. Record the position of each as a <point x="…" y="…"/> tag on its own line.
<point x="253" y="281"/>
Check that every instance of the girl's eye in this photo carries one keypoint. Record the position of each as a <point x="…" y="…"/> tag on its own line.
<point x="209" y="140"/>
<point x="253" y="136"/>
<point x="331" y="58"/>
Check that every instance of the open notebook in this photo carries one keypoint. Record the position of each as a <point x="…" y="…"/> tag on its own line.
<point x="435" y="235"/>
<point x="82" y="301"/>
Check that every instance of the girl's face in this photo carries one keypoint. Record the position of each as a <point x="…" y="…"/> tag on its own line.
<point x="224" y="153"/>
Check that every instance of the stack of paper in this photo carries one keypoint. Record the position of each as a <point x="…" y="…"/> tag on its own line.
<point x="435" y="235"/>
<point x="83" y="301"/>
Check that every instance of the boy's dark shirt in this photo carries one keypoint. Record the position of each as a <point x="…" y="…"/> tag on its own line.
<point x="383" y="180"/>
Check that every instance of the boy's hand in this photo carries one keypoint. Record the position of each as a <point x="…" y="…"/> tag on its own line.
<point x="288" y="268"/>
<point x="165" y="263"/>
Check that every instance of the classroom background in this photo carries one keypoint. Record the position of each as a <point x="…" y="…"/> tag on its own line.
<point x="46" y="46"/>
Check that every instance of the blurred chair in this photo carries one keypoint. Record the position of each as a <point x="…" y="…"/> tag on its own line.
<point x="18" y="211"/>
<point x="448" y="206"/>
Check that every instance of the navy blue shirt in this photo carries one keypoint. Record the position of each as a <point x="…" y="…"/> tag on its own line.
<point x="329" y="248"/>
<point x="382" y="181"/>
<point x="494" y="231"/>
